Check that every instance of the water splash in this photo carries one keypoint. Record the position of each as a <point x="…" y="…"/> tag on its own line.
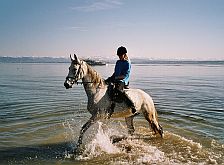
<point x="142" y="148"/>
<point x="126" y="150"/>
<point x="139" y="152"/>
<point x="101" y="143"/>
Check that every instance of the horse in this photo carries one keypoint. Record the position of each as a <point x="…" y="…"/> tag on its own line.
<point x="99" y="100"/>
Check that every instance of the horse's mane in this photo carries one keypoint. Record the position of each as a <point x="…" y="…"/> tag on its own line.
<point x="95" y="77"/>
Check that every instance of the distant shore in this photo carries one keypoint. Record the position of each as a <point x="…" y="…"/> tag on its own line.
<point x="106" y="61"/>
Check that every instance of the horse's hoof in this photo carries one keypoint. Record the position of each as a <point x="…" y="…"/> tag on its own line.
<point x="131" y="133"/>
<point x="160" y="131"/>
<point x="77" y="152"/>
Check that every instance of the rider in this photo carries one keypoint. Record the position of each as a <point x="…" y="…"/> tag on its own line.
<point x="121" y="76"/>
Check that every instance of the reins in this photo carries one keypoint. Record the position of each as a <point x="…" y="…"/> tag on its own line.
<point x="77" y="75"/>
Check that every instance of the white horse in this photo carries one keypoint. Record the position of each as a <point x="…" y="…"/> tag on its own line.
<point x="99" y="102"/>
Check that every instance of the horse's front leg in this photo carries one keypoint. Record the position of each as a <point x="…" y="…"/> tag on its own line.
<point x="90" y="122"/>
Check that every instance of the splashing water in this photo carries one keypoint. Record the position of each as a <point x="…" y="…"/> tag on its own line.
<point x="101" y="143"/>
<point x="109" y="143"/>
<point x="129" y="150"/>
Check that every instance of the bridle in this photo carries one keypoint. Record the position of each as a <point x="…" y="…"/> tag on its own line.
<point x="76" y="77"/>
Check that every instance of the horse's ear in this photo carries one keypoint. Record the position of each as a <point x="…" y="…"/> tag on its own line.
<point x="76" y="59"/>
<point x="71" y="57"/>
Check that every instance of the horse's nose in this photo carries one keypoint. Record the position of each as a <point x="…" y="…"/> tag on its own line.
<point x="66" y="85"/>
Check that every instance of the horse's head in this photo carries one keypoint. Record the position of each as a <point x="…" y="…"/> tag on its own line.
<point x="75" y="72"/>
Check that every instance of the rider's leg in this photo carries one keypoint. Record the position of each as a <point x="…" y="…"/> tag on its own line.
<point x="119" y="89"/>
<point x="130" y="103"/>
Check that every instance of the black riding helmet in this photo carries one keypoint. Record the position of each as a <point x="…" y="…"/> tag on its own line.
<point x="121" y="50"/>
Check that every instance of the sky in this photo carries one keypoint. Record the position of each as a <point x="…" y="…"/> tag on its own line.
<point x="157" y="29"/>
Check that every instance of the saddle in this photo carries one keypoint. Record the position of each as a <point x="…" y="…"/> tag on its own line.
<point x="117" y="94"/>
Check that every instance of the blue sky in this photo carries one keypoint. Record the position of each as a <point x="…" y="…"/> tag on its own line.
<point x="160" y="29"/>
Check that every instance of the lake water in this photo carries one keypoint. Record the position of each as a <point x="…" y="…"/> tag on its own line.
<point x="40" y="120"/>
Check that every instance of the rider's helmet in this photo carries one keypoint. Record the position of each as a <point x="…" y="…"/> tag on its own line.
<point x="121" y="50"/>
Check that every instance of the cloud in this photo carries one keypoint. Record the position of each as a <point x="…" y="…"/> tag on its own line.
<point x="99" y="5"/>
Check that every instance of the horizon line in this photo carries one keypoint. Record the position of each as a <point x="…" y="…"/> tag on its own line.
<point x="111" y="59"/>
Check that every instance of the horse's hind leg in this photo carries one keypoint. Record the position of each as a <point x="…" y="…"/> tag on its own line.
<point x="151" y="117"/>
<point x="129" y="122"/>
<point x="157" y="128"/>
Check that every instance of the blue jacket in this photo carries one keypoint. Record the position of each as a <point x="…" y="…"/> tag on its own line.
<point x="123" y="67"/>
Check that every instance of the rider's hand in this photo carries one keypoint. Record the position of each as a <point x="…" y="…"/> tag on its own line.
<point x="108" y="80"/>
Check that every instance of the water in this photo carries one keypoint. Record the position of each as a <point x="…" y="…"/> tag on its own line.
<point x="40" y="120"/>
